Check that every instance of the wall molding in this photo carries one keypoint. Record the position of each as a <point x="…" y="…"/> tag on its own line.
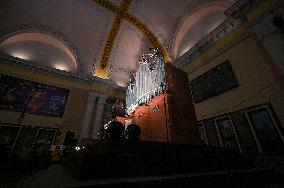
<point x="27" y="70"/>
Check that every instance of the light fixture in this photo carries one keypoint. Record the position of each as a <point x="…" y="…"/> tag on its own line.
<point x="77" y="148"/>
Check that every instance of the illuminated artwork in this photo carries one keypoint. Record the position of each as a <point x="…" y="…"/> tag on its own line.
<point x="22" y="95"/>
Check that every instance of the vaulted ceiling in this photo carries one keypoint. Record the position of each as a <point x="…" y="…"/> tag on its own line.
<point x="104" y="38"/>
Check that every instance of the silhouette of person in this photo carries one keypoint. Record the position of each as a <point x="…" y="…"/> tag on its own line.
<point x="132" y="132"/>
<point x="114" y="131"/>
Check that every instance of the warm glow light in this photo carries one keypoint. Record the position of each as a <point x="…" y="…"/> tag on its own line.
<point x="60" y="66"/>
<point x="186" y="49"/>
<point x="102" y="73"/>
<point x="20" y="55"/>
<point x="121" y="84"/>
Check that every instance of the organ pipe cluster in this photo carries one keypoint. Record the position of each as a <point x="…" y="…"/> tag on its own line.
<point x="149" y="81"/>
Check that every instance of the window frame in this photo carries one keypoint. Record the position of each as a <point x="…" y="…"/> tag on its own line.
<point x="18" y="134"/>
<point x="253" y="129"/>
<point x="234" y="131"/>
<point x="48" y="129"/>
<point x="201" y="124"/>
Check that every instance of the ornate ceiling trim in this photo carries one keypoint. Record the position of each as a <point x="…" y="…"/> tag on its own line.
<point x="112" y="35"/>
<point x="122" y="13"/>
<point x="34" y="27"/>
<point x="214" y="41"/>
<point x="101" y="71"/>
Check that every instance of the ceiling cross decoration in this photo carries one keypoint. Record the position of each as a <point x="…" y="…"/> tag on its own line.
<point x="122" y="13"/>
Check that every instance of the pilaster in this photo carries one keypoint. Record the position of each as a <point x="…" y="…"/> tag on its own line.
<point x="97" y="127"/>
<point x="88" y="114"/>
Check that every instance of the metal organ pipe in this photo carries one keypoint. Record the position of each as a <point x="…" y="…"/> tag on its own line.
<point x="143" y="82"/>
<point x="147" y="83"/>
<point x="138" y="83"/>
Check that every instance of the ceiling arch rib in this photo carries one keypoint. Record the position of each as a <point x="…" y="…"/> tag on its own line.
<point x="122" y="13"/>
<point x="116" y="24"/>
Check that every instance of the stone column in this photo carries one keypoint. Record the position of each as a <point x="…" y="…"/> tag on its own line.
<point x="272" y="39"/>
<point x="98" y="124"/>
<point x="88" y="115"/>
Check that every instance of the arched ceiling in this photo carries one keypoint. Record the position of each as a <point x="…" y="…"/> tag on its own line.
<point x="197" y="25"/>
<point x="40" y="48"/>
<point x="106" y="37"/>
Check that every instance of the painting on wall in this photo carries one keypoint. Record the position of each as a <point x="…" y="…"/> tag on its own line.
<point x="214" y="82"/>
<point x="22" y="95"/>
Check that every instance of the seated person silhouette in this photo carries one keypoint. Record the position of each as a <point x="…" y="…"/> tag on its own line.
<point x="114" y="132"/>
<point x="132" y="133"/>
<point x="112" y="140"/>
<point x="108" y="152"/>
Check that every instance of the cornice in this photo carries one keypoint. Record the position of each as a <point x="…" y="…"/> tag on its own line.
<point x="60" y="77"/>
<point x="223" y="30"/>
<point x="241" y="8"/>
<point x="237" y="14"/>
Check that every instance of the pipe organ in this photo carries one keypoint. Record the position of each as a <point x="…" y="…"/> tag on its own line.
<point x="150" y="81"/>
<point x="159" y="101"/>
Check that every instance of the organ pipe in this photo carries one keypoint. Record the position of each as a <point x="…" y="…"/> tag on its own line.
<point x="147" y="83"/>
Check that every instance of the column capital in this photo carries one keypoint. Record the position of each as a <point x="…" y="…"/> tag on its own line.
<point x="263" y="26"/>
